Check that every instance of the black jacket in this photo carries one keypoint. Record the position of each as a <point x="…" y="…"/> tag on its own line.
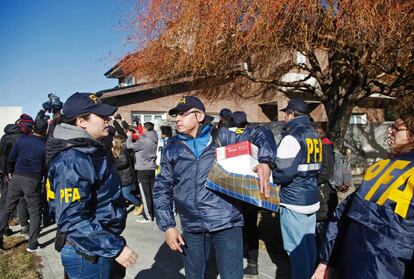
<point x="12" y="133"/>
<point x="328" y="197"/>
<point x="125" y="167"/>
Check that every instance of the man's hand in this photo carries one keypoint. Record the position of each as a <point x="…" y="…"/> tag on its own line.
<point x="263" y="171"/>
<point x="321" y="272"/>
<point x="344" y="188"/>
<point x="127" y="258"/>
<point x="174" y="239"/>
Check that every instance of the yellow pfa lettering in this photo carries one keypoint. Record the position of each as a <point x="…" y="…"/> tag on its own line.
<point x="69" y="195"/>
<point x="314" y="147"/>
<point x="402" y="198"/>
<point x="320" y="153"/>
<point x="309" y="143"/>
<point x="61" y="194"/>
<point x="76" y="195"/>
<point x="317" y="148"/>
<point x="385" y="177"/>
<point x="50" y="195"/>
<point x="375" y="169"/>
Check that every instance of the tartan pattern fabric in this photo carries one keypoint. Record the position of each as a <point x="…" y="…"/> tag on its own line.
<point x="242" y="187"/>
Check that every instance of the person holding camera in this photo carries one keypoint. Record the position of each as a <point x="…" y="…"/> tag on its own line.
<point x="90" y="208"/>
<point x="53" y="105"/>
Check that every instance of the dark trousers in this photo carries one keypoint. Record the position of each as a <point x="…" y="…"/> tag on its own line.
<point x="229" y="253"/>
<point x="21" y="212"/>
<point x="250" y="233"/>
<point x="27" y="187"/>
<point x="146" y="180"/>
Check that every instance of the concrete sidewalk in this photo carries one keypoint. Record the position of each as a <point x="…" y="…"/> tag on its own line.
<point x="156" y="260"/>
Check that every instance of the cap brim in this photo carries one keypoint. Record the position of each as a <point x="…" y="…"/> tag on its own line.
<point x="179" y="108"/>
<point x="104" y="110"/>
<point x="284" y="110"/>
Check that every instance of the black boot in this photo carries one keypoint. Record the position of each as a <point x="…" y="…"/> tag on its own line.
<point x="251" y="269"/>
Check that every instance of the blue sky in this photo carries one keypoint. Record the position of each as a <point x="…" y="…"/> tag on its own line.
<point x="59" y="46"/>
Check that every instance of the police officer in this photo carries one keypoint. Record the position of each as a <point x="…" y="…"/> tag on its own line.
<point x="90" y="209"/>
<point x="371" y="234"/>
<point x="207" y="218"/>
<point x="297" y="164"/>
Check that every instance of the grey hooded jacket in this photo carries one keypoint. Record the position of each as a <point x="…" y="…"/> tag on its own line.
<point x="145" y="149"/>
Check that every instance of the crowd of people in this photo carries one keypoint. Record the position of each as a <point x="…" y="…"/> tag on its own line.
<point x="81" y="168"/>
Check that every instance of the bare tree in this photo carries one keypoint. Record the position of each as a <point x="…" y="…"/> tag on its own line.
<point x="348" y="49"/>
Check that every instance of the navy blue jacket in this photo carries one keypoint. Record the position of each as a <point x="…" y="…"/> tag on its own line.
<point x="297" y="164"/>
<point x="90" y="208"/>
<point x="27" y="156"/>
<point x="372" y="232"/>
<point x="185" y="165"/>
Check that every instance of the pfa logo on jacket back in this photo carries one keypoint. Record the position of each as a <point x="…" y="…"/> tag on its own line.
<point x="314" y="149"/>
<point x="386" y="180"/>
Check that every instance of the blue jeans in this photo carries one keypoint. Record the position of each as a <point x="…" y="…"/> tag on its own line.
<point x="79" y="268"/>
<point x="298" y="233"/>
<point x="127" y="193"/>
<point x="228" y="245"/>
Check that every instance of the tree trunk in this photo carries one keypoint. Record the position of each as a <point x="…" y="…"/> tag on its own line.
<point x="338" y="114"/>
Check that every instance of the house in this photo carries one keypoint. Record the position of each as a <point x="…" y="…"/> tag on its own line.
<point x="151" y="101"/>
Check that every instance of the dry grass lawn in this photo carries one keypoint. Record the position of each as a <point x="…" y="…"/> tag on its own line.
<point x="16" y="262"/>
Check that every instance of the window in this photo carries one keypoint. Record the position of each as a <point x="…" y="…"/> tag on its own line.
<point x="360" y="118"/>
<point x="147" y="116"/>
<point x="130" y="80"/>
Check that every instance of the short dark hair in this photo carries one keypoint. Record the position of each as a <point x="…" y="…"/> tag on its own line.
<point x="149" y="126"/>
<point x="166" y="130"/>
<point x="40" y="126"/>
<point x="72" y="121"/>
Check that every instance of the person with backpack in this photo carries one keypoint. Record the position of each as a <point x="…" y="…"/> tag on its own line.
<point x="125" y="168"/>
<point x="371" y="233"/>
<point x="327" y="194"/>
<point x="297" y="164"/>
<point x="208" y="219"/>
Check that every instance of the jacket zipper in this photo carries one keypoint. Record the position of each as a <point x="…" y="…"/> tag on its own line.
<point x="196" y="178"/>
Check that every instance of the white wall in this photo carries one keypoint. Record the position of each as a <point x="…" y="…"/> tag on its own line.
<point x="8" y="115"/>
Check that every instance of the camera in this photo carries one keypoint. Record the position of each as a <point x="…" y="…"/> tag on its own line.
<point x="53" y="104"/>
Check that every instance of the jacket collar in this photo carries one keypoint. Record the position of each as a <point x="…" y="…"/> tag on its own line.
<point x="296" y="122"/>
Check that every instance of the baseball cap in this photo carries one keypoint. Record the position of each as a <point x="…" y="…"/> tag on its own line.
<point x="186" y="103"/>
<point x="297" y="104"/>
<point x="239" y="117"/>
<point x="225" y="112"/>
<point x="81" y="103"/>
